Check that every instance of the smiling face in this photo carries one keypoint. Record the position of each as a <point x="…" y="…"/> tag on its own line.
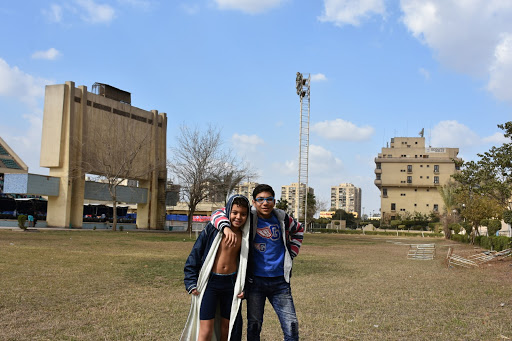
<point x="238" y="216"/>
<point x="264" y="203"/>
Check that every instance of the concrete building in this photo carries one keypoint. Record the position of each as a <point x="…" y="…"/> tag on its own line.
<point x="9" y="163"/>
<point x="246" y="189"/>
<point x="346" y="197"/>
<point x="290" y="193"/>
<point x="408" y="174"/>
<point x="100" y="133"/>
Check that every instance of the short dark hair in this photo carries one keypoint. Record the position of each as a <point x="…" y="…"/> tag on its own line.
<point x="262" y="188"/>
<point x="242" y="202"/>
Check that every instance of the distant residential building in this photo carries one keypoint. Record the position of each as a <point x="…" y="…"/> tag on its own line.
<point x="408" y="174"/>
<point x="246" y="189"/>
<point x="346" y="197"/>
<point x="290" y="193"/>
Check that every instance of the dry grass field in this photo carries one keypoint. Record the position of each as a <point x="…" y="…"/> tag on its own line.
<point x="101" y="285"/>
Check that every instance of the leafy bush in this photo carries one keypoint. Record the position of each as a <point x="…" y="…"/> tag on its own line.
<point x="22" y="219"/>
<point x="507" y="217"/>
<point x="493" y="226"/>
<point x="467" y="226"/>
<point x="395" y="223"/>
<point x="455" y="227"/>
<point x="462" y="238"/>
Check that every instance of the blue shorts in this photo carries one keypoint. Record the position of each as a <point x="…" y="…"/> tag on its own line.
<point x="219" y="291"/>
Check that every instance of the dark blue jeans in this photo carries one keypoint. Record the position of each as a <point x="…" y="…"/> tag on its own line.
<point x="279" y="295"/>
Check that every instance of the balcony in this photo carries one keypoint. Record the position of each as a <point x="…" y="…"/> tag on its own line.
<point x="378" y="171"/>
<point x="378" y="182"/>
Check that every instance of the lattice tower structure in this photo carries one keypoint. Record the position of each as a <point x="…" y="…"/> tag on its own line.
<point x="303" y="82"/>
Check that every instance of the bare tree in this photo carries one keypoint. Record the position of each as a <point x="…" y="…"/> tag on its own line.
<point x="202" y="167"/>
<point x="114" y="152"/>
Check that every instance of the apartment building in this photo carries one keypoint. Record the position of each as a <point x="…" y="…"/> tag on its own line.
<point x="246" y="189"/>
<point x="346" y="197"/>
<point x="290" y="193"/>
<point x="408" y="174"/>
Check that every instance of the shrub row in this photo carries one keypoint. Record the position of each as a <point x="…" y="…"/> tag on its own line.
<point x="496" y="243"/>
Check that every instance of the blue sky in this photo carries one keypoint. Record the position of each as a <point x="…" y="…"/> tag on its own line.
<point x="380" y="69"/>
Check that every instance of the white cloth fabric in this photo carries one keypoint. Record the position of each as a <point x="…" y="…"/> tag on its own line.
<point x="191" y="330"/>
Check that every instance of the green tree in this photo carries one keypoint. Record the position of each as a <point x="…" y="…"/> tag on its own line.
<point x="312" y="207"/>
<point x="449" y="214"/>
<point x="476" y="207"/>
<point x="490" y="176"/>
<point x="282" y="204"/>
<point x="348" y="217"/>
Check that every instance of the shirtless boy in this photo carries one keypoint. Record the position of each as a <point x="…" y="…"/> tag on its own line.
<point x="221" y="282"/>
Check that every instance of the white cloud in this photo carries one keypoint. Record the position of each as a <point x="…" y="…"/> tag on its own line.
<point x="424" y="73"/>
<point x="351" y="12"/>
<point x="323" y="162"/>
<point x="452" y="134"/>
<point x="500" y="72"/>
<point x="342" y="130"/>
<point x="471" y="37"/>
<point x="15" y="83"/>
<point x="247" y="143"/>
<point x="319" y="77"/>
<point x="96" y="13"/>
<point x="50" y="54"/>
<point x="496" y="139"/>
<point x="249" y="6"/>
<point x="54" y="14"/>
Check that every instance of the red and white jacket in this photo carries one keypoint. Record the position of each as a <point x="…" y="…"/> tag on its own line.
<point x="291" y="230"/>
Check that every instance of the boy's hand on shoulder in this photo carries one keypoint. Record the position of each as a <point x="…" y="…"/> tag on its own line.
<point x="229" y="236"/>
<point x="194" y="292"/>
<point x="241" y="295"/>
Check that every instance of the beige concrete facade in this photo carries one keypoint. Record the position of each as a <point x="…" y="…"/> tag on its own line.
<point x="346" y="197"/>
<point x="408" y="175"/>
<point x="246" y="189"/>
<point x="290" y="193"/>
<point x="81" y="130"/>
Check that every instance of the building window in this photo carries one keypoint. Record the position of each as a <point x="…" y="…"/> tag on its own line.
<point x="436" y="207"/>
<point x="393" y="207"/>
<point x="409" y="179"/>
<point x="384" y="192"/>
<point x="428" y="166"/>
<point x="421" y="176"/>
<point x="421" y="166"/>
<point x="378" y="176"/>
<point x="402" y="209"/>
<point x="427" y="205"/>
<point x="436" y="168"/>
<point x="415" y="205"/>
<point x="428" y="189"/>
<point x="402" y="194"/>
<point x="409" y="168"/>
<point x="378" y="165"/>
<point x="428" y="177"/>
<point x="436" y="180"/>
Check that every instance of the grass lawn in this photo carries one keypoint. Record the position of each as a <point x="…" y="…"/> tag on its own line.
<point x="103" y="285"/>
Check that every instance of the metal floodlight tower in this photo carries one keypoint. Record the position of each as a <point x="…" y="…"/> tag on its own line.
<point x="302" y="83"/>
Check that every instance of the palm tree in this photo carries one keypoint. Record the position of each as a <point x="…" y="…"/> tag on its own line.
<point x="448" y="194"/>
